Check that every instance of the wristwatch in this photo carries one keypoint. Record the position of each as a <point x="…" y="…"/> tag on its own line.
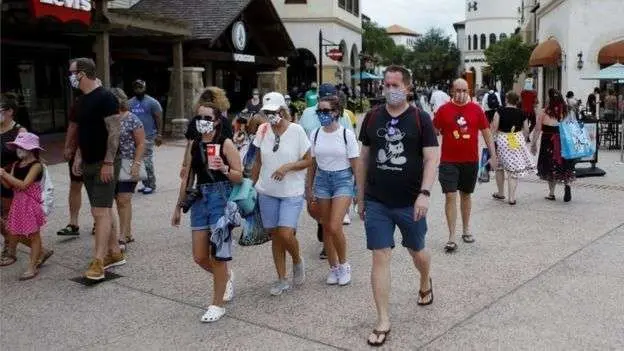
<point x="427" y="193"/>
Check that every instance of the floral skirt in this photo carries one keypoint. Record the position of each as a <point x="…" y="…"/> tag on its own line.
<point x="513" y="154"/>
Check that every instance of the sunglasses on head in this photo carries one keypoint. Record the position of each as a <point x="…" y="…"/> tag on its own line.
<point x="207" y="117"/>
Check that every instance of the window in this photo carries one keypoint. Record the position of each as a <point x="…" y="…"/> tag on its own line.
<point x="492" y="38"/>
<point x="483" y="39"/>
<point x="474" y="42"/>
<point x="296" y="1"/>
<point x="503" y="36"/>
<point x="469" y="43"/>
<point x="342" y="4"/>
<point x="356" y="7"/>
<point x="351" y="6"/>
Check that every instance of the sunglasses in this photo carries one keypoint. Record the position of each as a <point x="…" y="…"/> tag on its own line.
<point x="324" y="110"/>
<point x="207" y="117"/>
<point x="277" y="142"/>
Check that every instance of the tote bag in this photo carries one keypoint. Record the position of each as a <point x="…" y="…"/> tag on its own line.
<point x="126" y="169"/>
<point x="575" y="142"/>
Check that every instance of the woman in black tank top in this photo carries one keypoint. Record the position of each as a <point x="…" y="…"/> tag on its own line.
<point x="215" y="165"/>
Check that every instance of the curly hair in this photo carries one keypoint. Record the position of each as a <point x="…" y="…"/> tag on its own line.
<point x="213" y="97"/>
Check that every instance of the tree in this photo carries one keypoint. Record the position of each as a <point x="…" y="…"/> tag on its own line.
<point x="376" y="42"/>
<point x="508" y="59"/>
<point x="434" y="58"/>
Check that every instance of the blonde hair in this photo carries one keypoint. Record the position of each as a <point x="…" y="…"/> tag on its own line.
<point x="213" y="97"/>
<point x="122" y="98"/>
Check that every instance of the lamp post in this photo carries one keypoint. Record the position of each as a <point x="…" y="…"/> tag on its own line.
<point x="321" y="53"/>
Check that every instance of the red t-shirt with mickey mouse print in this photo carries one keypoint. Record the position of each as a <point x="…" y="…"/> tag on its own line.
<point x="459" y="127"/>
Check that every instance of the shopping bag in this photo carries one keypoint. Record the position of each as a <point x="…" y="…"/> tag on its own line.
<point x="484" y="173"/>
<point x="575" y="142"/>
<point x="253" y="232"/>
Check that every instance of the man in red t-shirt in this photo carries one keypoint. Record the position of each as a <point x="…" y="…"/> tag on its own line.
<point x="528" y="100"/>
<point x="459" y="121"/>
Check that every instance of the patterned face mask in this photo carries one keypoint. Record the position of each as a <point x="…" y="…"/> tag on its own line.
<point x="273" y="118"/>
<point x="204" y="126"/>
<point x="325" y="118"/>
<point x="395" y="96"/>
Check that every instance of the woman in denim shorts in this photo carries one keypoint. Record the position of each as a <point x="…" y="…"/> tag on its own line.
<point x="279" y="174"/>
<point x="215" y="172"/>
<point x="335" y="152"/>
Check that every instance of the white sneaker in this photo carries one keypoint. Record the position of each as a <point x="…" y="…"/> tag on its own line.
<point x="346" y="220"/>
<point x="279" y="287"/>
<point x="344" y="274"/>
<point x="332" y="275"/>
<point x="229" y="289"/>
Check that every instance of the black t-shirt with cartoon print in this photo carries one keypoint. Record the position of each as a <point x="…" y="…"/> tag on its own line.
<point x="395" y="164"/>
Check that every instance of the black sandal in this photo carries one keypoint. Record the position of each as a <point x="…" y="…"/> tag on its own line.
<point x="69" y="230"/>
<point x="450" y="246"/>
<point x="550" y="198"/>
<point x="498" y="197"/>
<point x="468" y="238"/>
<point x="379" y="333"/>
<point x="424" y="294"/>
<point x="512" y="203"/>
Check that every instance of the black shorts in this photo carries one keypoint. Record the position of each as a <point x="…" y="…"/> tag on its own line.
<point x="125" y="187"/>
<point x="72" y="176"/>
<point x="458" y="176"/>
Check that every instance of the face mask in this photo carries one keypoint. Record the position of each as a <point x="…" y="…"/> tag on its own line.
<point x="274" y="119"/>
<point x="74" y="81"/>
<point x="204" y="126"/>
<point x="21" y="153"/>
<point x="325" y="118"/>
<point x="460" y="98"/>
<point x="256" y="96"/>
<point x="395" y="97"/>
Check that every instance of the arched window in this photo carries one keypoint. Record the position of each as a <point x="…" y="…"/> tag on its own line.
<point x="483" y="43"/>
<point x="469" y="43"/>
<point x="503" y="36"/>
<point x="492" y="38"/>
<point x="475" y="45"/>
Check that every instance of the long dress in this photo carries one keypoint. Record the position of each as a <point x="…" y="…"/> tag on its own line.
<point x="551" y="166"/>
<point x="26" y="215"/>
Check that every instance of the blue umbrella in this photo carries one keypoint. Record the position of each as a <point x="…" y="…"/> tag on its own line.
<point x="366" y="76"/>
<point x="613" y="72"/>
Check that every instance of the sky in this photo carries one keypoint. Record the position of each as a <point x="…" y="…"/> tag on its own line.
<point x="417" y="15"/>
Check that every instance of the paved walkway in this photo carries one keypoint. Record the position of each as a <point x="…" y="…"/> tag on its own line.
<point x="541" y="276"/>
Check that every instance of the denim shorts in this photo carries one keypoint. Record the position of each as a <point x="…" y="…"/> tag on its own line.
<point x="380" y="222"/>
<point x="280" y="211"/>
<point x="207" y="210"/>
<point x="332" y="184"/>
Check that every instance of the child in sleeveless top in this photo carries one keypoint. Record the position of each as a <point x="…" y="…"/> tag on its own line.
<point x="26" y="216"/>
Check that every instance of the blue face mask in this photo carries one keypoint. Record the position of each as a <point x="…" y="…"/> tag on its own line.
<point x="325" y="118"/>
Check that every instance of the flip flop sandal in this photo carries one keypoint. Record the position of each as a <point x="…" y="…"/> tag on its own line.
<point x="69" y="230"/>
<point x="512" y="203"/>
<point x="45" y="257"/>
<point x="424" y="294"/>
<point x="377" y="334"/>
<point x="550" y="198"/>
<point x="468" y="238"/>
<point x="28" y="275"/>
<point x="498" y="197"/>
<point x="450" y="246"/>
<point x="129" y="239"/>
<point x="7" y="260"/>
<point x="213" y="314"/>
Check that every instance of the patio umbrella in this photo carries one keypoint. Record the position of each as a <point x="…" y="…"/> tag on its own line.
<point x="366" y="76"/>
<point x="614" y="72"/>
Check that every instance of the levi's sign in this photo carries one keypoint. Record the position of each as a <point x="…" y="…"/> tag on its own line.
<point x="63" y="10"/>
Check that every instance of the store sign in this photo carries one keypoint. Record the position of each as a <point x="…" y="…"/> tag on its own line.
<point x="239" y="36"/>
<point x="475" y="60"/>
<point x="244" y="58"/>
<point x="63" y="10"/>
<point x="592" y="132"/>
<point x="335" y="54"/>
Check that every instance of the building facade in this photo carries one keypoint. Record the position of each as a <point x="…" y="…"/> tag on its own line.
<point x="576" y="38"/>
<point x="402" y="36"/>
<point x="487" y="21"/>
<point x="339" y="24"/>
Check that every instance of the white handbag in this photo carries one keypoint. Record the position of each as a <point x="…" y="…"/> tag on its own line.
<point x="126" y="169"/>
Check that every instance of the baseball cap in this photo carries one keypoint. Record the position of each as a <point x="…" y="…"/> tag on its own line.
<point x="273" y="101"/>
<point x="139" y="83"/>
<point x="327" y="89"/>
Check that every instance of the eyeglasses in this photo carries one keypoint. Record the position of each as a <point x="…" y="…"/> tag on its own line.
<point x="277" y="142"/>
<point x="207" y="117"/>
<point x="324" y="110"/>
<point x="392" y="130"/>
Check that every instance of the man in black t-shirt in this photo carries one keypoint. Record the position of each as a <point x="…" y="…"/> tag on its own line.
<point x="398" y="160"/>
<point x="97" y="161"/>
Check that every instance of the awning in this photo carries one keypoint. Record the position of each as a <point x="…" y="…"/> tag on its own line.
<point x="612" y="53"/>
<point x="547" y="53"/>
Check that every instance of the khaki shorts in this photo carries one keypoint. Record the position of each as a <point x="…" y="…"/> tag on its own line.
<point x="100" y="194"/>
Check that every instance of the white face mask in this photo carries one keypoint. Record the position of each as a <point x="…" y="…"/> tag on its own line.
<point x="74" y="81"/>
<point x="274" y="118"/>
<point x="21" y="153"/>
<point x="204" y="126"/>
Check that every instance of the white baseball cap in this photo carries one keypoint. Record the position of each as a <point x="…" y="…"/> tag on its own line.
<point x="273" y="101"/>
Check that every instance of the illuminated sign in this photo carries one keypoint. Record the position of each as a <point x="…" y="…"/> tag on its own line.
<point x="63" y="10"/>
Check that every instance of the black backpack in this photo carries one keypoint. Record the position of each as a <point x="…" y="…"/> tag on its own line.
<point x="492" y="101"/>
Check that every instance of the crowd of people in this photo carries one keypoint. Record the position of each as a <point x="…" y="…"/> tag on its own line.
<point x="314" y="163"/>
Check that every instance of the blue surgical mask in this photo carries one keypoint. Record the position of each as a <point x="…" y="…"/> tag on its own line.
<point x="325" y="118"/>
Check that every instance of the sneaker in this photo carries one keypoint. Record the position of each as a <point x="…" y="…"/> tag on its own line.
<point x="323" y="254"/>
<point x="279" y="287"/>
<point x="141" y="189"/>
<point x="147" y="191"/>
<point x="299" y="273"/>
<point x="69" y="230"/>
<point x="344" y="274"/>
<point x="95" y="271"/>
<point x="229" y="289"/>
<point x="332" y="276"/>
<point x="346" y="220"/>
<point x="112" y="260"/>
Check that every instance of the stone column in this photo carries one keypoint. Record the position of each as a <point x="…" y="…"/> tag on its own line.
<point x="182" y="93"/>
<point x="271" y="81"/>
<point x="102" y="58"/>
